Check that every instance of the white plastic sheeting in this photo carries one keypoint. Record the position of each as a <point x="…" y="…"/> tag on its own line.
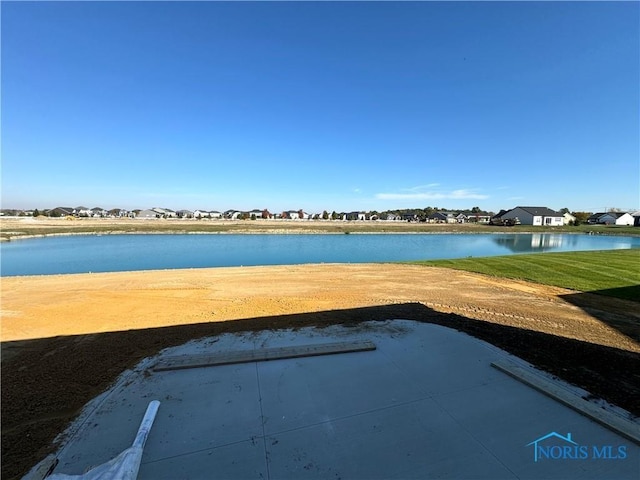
<point x="126" y="465"/>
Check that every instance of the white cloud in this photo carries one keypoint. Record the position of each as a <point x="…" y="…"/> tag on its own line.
<point x="461" y="194"/>
<point x="420" y="187"/>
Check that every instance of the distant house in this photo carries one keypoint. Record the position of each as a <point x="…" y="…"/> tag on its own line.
<point x="611" y="218"/>
<point x="354" y="216"/>
<point x="537" y="216"/>
<point x="118" y="213"/>
<point x="232" y="214"/>
<point x="568" y="218"/>
<point x="61" y="212"/>
<point x="10" y="212"/>
<point x="264" y="213"/>
<point x="624" y="218"/>
<point x="443" y="217"/>
<point x="477" y="218"/>
<point x="256" y="213"/>
<point x="83" y="212"/>
<point x="147" y="214"/>
<point x="593" y="218"/>
<point x="215" y="214"/>
<point x="98" y="212"/>
<point x="184" y="214"/>
<point x="291" y="215"/>
<point x="201" y="214"/>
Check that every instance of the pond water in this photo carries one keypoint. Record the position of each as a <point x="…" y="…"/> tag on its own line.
<point x="110" y="253"/>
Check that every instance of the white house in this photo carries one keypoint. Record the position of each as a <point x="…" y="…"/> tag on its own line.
<point x="474" y="217"/>
<point x="568" y="218"/>
<point x="624" y="219"/>
<point x="200" y="214"/>
<point x="161" y="212"/>
<point x="620" y="218"/>
<point x="612" y="218"/>
<point x="83" y="212"/>
<point x="535" y="216"/>
<point x="98" y="212"/>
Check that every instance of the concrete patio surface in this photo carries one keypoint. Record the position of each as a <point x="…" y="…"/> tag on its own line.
<point x="426" y="403"/>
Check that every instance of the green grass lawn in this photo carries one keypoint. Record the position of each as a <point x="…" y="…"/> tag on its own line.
<point x="611" y="272"/>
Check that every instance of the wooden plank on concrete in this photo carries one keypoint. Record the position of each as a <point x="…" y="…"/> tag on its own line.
<point x="260" y="355"/>
<point x="622" y="426"/>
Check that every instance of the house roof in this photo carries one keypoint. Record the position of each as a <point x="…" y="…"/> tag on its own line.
<point x="616" y="214"/>
<point x="63" y="209"/>
<point x="613" y="214"/>
<point x="540" y="211"/>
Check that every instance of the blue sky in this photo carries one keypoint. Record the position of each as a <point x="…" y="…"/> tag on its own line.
<point x="321" y="105"/>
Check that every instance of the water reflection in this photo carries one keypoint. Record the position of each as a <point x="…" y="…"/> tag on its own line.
<point x="112" y="253"/>
<point x="536" y="242"/>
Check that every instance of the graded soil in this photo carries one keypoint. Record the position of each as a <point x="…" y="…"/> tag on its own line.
<point x="66" y="338"/>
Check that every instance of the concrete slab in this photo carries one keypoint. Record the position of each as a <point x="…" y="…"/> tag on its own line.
<point x="425" y="404"/>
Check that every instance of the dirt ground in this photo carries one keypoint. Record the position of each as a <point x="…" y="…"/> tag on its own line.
<point x="65" y="338"/>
